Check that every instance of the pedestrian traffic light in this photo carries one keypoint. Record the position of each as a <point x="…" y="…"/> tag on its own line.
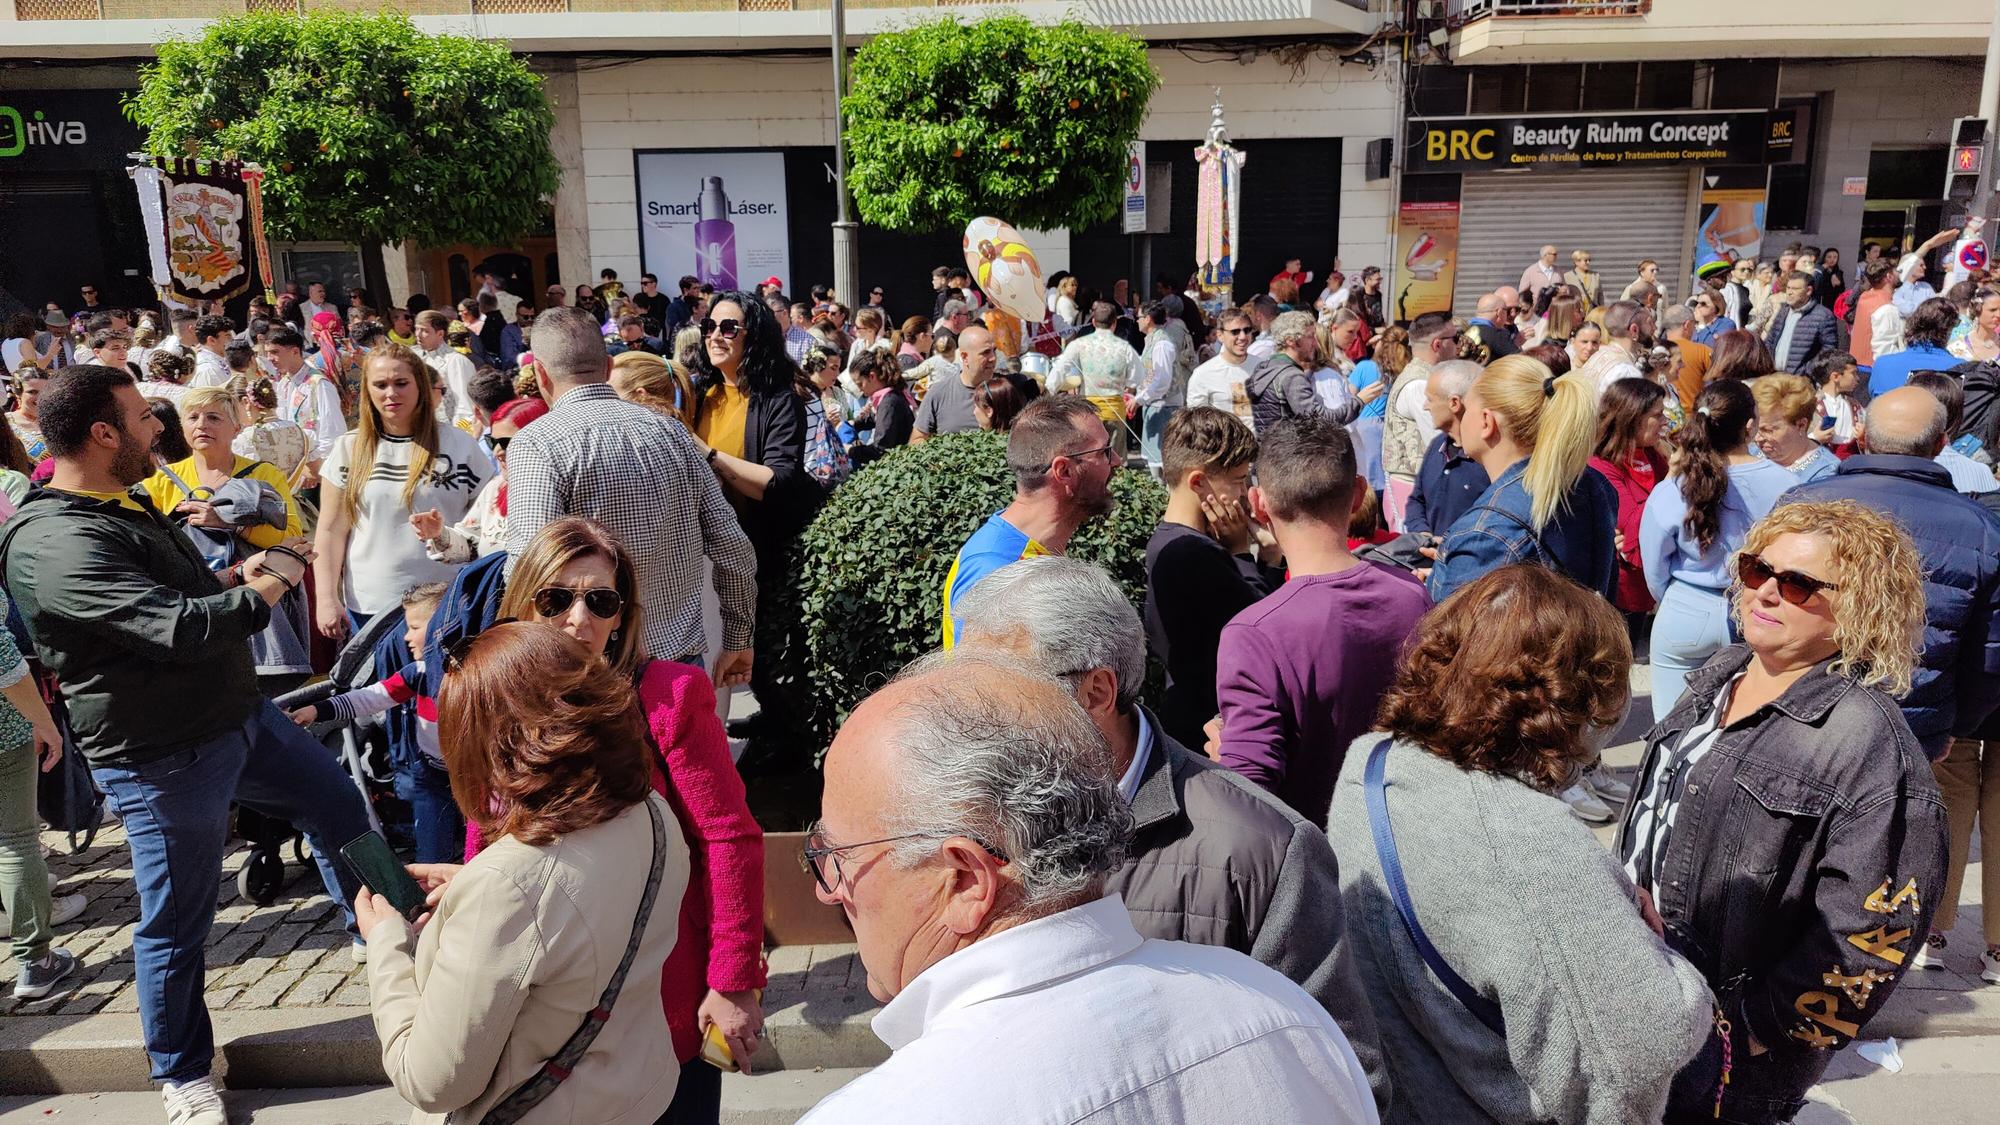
<point x="1968" y="156"/>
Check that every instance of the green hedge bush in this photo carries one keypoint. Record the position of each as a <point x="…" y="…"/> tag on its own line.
<point x="871" y="567"/>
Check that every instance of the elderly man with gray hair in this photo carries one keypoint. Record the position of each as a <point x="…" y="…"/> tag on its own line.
<point x="1282" y="386"/>
<point x="969" y="825"/>
<point x="1214" y="858"/>
<point x="640" y="474"/>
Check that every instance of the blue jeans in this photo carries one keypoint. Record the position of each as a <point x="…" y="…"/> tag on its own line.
<point x="435" y="820"/>
<point x="176" y="814"/>
<point x="1691" y="625"/>
<point x="1153" y="426"/>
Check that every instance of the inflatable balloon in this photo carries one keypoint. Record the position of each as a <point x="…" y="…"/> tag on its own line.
<point x="1005" y="269"/>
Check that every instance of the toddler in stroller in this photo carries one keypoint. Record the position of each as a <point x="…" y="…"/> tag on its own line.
<point x="395" y="643"/>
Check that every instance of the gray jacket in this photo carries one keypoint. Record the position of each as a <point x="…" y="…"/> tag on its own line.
<point x="1526" y="905"/>
<point x="1216" y="860"/>
<point x="1279" y="388"/>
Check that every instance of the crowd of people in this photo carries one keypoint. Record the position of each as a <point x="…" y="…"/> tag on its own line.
<point x="1398" y="589"/>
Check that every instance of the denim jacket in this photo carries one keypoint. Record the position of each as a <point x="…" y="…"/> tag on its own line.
<point x="1802" y="872"/>
<point x="1577" y="541"/>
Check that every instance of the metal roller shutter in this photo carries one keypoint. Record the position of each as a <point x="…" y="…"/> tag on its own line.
<point x="1620" y="215"/>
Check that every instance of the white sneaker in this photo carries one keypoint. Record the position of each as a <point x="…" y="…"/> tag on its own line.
<point x="67" y="909"/>
<point x="359" y="951"/>
<point x="1929" y="955"/>
<point x="194" y="1103"/>
<point x="1586" y="807"/>
<point x="1607" y="787"/>
<point x="1989" y="967"/>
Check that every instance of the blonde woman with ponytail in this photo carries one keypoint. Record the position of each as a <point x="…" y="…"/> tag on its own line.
<point x="1533" y="433"/>
<point x="1693" y="522"/>
<point x="398" y="461"/>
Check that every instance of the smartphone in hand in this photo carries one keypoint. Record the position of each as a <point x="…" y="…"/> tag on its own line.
<point x="375" y="864"/>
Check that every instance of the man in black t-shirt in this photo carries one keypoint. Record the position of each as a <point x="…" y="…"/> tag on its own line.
<point x="1203" y="564"/>
<point x="652" y="303"/>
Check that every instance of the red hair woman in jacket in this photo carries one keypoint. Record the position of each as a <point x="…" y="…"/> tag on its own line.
<point x="1631" y="417"/>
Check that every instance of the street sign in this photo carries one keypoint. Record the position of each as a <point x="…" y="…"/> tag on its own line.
<point x="1135" y="189"/>
<point x="1967" y="158"/>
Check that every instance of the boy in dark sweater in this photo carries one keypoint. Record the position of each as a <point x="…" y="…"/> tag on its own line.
<point x="1204" y="563"/>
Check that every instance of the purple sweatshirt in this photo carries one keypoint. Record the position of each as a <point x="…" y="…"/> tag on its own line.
<point x="1301" y="673"/>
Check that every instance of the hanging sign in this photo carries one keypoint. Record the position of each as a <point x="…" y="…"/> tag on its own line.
<point x="1652" y="140"/>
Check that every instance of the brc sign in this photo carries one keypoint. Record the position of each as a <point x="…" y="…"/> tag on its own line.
<point x="18" y="131"/>
<point x="1478" y="144"/>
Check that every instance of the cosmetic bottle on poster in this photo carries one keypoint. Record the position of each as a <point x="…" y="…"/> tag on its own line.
<point x="715" y="237"/>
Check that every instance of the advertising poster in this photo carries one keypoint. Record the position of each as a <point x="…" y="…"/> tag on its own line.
<point x="1483" y="144"/>
<point x="1427" y="234"/>
<point x="719" y="215"/>
<point x="1730" y="225"/>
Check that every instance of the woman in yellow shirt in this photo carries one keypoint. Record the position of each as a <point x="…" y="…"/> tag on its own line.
<point x="182" y="490"/>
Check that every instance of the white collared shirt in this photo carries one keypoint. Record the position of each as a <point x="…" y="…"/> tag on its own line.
<point x="1128" y="786"/>
<point x="1075" y="1018"/>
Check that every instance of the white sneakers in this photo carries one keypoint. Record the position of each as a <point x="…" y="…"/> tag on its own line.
<point x="194" y="1103"/>
<point x="1930" y="955"/>
<point x="1989" y="967"/>
<point x="1608" y="788"/>
<point x="1586" y="807"/>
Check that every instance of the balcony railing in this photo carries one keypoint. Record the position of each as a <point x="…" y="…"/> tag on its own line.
<point x="213" y="9"/>
<point x="1508" y="9"/>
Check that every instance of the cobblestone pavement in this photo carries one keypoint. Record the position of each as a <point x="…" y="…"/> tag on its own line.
<point x="290" y="954"/>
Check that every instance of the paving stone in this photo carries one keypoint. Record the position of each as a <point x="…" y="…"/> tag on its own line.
<point x="231" y="948"/>
<point x="353" y="994"/>
<point x="303" y="959"/>
<point x="265" y="993"/>
<point x="314" y="989"/>
<point x="283" y="938"/>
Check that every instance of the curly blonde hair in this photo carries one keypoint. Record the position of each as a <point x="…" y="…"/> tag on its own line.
<point x="1878" y="612"/>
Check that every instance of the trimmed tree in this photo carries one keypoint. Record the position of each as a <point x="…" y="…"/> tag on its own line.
<point x="368" y="129"/>
<point x="949" y="121"/>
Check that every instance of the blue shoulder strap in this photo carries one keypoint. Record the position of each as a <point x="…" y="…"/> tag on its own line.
<point x="1482" y="1009"/>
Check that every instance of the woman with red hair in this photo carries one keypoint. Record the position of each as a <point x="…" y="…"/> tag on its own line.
<point x="484" y="528"/>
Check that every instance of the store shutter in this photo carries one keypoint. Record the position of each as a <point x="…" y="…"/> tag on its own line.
<point x="1620" y="215"/>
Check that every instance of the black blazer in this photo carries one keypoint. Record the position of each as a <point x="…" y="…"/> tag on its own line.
<point x="774" y="436"/>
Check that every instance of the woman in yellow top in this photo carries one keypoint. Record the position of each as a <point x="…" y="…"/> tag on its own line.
<point x="181" y="490"/>
<point x="750" y="420"/>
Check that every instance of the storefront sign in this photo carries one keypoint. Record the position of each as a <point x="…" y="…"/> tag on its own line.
<point x="719" y="215"/>
<point x="63" y="131"/>
<point x="1135" y="189"/>
<point x="1427" y="237"/>
<point x="1486" y="144"/>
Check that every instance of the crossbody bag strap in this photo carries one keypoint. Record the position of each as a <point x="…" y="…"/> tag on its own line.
<point x="537" y="1089"/>
<point x="1482" y="1009"/>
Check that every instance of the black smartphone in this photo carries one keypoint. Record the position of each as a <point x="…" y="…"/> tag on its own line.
<point x="375" y="864"/>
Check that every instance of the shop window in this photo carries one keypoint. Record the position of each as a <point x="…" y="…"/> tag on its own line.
<point x="1554" y="87"/>
<point x="1499" y="89"/>
<point x="1906" y="173"/>
<point x="1610" y="86"/>
<point x="1666" y="85"/>
<point x="1440" y="91"/>
<point x="1743" y="84"/>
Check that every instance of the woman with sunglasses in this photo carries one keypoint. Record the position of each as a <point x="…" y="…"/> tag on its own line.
<point x="750" y="421"/>
<point x="483" y="530"/>
<point x="577" y="576"/>
<point x="1785" y="821"/>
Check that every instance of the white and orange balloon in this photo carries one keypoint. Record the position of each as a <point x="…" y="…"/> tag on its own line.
<point x="1005" y="269"/>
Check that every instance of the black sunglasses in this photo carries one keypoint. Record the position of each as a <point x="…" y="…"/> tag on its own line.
<point x="1752" y="571"/>
<point x="727" y="329"/>
<point x="1239" y="332"/>
<point x="499" y="443"/>
<point x="601" y="601"/>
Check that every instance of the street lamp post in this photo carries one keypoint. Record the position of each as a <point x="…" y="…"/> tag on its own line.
<point x="846" y="232"/>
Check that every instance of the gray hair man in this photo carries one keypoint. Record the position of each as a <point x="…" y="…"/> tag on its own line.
<point x="1281" y="386"/>
<point x="1214" y="859"/>
<point x="968" y="829"/>
<point x="640" y="474"/>
<point x="1628" y="334"/>
<point x="1956" y="688"/>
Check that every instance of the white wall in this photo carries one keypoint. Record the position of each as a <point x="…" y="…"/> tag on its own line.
<point x="770" y="103"/>
<point x="1877" y="103"/>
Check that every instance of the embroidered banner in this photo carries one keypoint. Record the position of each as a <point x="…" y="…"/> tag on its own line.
<point x="208" y="231"/>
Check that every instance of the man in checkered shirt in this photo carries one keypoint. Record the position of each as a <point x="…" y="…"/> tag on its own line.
<point x="638" y="473"/>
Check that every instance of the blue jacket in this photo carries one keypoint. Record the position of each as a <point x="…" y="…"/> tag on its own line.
<point x="470" y="604"/>
<point x="1957" y="683"/>
<point x="1577" y="540"/>
<point x="1816" y="333"/>
<point x="1448" y="484"/>
<point x="1892" y="371"/>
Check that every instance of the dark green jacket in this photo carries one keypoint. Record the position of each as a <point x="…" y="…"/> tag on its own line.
<point x="152" y="653"/>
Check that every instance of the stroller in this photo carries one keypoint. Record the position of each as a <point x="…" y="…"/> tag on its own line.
<point x="361" y="747"/>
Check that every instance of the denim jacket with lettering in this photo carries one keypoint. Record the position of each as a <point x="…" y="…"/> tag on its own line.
<point x="1802" y="870"/>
